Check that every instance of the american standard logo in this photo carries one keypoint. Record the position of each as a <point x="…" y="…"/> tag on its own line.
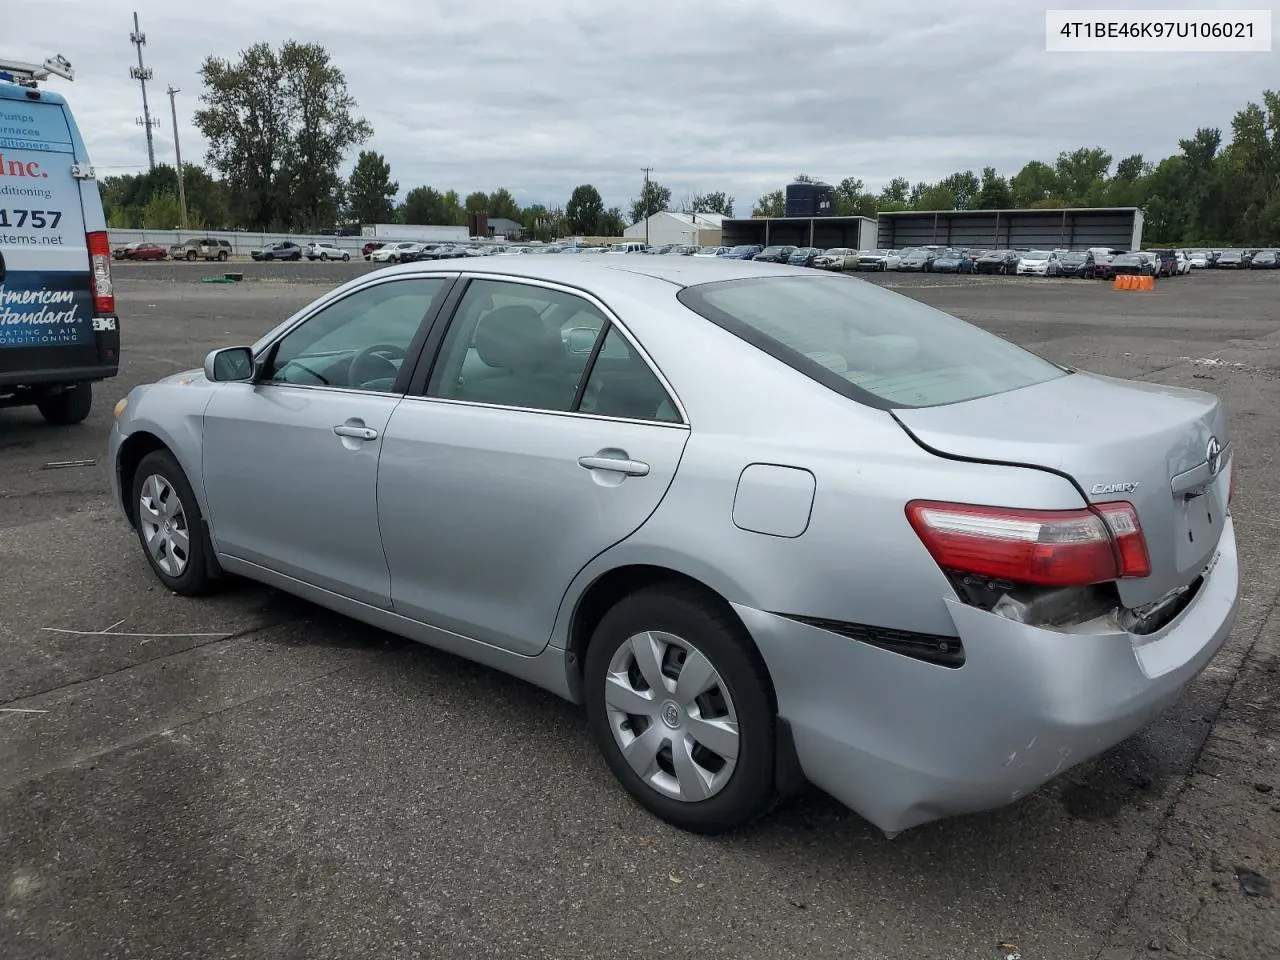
<point x="55" y="306"/>
<point x="1103" y="488"/>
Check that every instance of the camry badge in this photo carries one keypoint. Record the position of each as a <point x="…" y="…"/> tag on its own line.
<point x="1103" y="488"/>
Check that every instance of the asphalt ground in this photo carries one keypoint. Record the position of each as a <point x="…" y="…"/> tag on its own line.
<point x="251" y="776"/>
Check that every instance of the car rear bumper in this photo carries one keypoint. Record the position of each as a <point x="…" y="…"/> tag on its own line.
<point x="903" y="742"/>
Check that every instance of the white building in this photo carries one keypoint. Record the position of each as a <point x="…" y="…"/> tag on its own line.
<point x="702" y="229"/>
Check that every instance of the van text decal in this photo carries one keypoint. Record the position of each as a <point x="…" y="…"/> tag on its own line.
<point x="45" y="309"/>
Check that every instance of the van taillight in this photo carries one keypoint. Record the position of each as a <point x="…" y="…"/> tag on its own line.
<point x="104" y="297"/>
<point x="1058" y="548"/>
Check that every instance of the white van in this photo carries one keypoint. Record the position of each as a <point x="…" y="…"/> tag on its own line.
<point x="58" y="326"/>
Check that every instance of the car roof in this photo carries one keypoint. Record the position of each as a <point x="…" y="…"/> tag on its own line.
<point x="612" y="272"/>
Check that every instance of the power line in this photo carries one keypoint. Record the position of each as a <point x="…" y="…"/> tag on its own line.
<point x="142" y="74"/>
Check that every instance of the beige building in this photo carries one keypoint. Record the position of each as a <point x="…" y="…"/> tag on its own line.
<point x="702" y="229"/>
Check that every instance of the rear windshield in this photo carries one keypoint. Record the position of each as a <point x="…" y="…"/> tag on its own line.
<point x="868" y="343"/>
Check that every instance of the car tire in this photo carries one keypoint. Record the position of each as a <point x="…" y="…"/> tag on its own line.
<point x="183" y="569"/>
<point x="324" y="257"/>
<point x="67" y="407"/>
<point x="222" y="256"/>
<point x="683" y="623"/>
<point x="346" y="257"/>
<point x="191" y="256"/>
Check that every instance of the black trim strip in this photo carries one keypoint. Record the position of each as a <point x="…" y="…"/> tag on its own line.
<point x="939" y="650"/>
<point x="590" y="366"/>
<point x="427" y="340"/>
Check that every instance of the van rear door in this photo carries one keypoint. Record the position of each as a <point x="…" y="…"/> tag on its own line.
<point x="47" y="310"/>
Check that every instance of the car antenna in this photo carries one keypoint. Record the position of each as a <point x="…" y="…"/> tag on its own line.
<point x="29" y="74"/>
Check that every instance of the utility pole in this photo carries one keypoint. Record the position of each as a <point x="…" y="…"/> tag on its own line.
<point x="142" y="74"/>
<point x="644" y="199"/>
<point x="177" y="152"/>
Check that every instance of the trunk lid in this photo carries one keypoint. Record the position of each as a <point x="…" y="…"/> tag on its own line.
<point x="1117" y="440"/>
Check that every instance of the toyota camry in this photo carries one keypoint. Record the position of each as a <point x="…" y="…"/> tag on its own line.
<point x="766" y="524"/>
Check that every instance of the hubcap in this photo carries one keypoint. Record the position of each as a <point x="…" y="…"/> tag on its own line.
<point x="671" y="716"/>
<point x="164" y="525"/>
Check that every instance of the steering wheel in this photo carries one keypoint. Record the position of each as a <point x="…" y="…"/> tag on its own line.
<point x="378" y="358"/>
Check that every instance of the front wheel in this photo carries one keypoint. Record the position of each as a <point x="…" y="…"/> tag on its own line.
<point x="68" y="406"/>
<point x="679" y="703"/>
<point x="346" y="257"/>
<point x="222" y="256"/>
<point x="169" y="526"/>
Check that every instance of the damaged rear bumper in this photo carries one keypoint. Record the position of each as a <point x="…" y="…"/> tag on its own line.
<point x="903" y="742"/>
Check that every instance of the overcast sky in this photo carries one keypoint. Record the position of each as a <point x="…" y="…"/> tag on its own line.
<point x="734" y="95"/>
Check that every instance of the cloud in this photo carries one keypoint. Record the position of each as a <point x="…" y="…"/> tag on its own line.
<point x="734" y="95"/>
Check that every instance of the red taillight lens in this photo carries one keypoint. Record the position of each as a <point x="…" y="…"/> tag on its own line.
<point x="104" y="297"/>
<point x="1058" y="548"/>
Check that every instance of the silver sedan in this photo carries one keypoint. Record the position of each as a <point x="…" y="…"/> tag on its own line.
<point x="767" y="525"/>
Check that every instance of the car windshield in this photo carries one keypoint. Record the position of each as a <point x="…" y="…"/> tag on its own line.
<point x="1036" y="255"/>
<point x="1072" y="257"/>
<point x="867" y="342"/>
<point x="744" y="248"/>
<point x="1126" y="259"/>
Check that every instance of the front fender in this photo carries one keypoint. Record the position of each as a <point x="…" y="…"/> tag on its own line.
<point x="173" y="413"/>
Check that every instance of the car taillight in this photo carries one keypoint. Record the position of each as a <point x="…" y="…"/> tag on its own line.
<point x="1058" y="548"/>
<point x="104" y="298"/>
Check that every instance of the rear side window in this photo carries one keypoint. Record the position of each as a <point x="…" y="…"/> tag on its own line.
<point x="868" y="343"/>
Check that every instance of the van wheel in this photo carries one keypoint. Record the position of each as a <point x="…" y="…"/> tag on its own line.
<point x="678" y="701"/>
<point x="169" y="526"/>
<point x="68" y="406"/>
<point x="222" y="256"/>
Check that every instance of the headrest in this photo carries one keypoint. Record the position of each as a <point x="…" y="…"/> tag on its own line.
<point x="515" y="336"/>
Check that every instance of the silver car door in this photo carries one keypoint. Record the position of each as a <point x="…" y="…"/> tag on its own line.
<point x="290" y="460"/>
<point x="543" y="437"/>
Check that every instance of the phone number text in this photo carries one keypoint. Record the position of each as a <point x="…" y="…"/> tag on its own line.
<point x="33" y="219"/>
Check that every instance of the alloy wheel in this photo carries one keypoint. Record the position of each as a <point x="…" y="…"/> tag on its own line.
<point x="672" y="716"/>
<point x="164" y="525"/>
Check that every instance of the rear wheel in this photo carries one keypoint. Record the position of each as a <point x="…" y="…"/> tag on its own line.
<point x="169" y="526"/>
<point x="68" y="406"/>
<point x="222" y="256"/>
<point x="346" y="257"/>
<point x="679" y="703"/>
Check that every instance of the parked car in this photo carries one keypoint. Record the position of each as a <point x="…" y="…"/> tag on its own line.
<point x="997" y="261"/>
<point x="367" y="250"/>
<point x="144" y="251"/>
<point x="952" y="261"/>
<point x="919" y="259"/>
<point x="1264" y="260"/>
<point x="1231" y="260"/>
<point x="395" y="252"/>
<point x="880" y="260"/>
<point x="118" y="252"/>
<point x="1166" y="262"/>
<point x="712" y="252"/>
<point x="981" y="547"/>
<point x="1132" y="264"/>
<point x="1073" y="263"/>
<point x="203" y="248"/>
<point x="324" y="250"/>
<point x="743" y="251"/>
<point x="280" y="250"/>
<point x="804" y="256"/>
<point x="1102" y="265"/>
<point x="775" y="254"/>
<point x="837" y="258"/>
<point x="1035" y="263"/>
<point x="1199" y="259"/>
<point x="1184" y="263"/>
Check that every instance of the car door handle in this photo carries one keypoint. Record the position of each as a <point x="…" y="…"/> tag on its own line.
<point x="355" y="432"/>
<point x="632" y="468"/>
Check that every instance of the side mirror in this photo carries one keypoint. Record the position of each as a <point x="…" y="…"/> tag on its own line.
<point x="580" y="340"/>
<point x="229" y="365"/>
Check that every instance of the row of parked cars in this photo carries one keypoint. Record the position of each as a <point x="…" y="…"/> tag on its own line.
<point x="210" y="248"/>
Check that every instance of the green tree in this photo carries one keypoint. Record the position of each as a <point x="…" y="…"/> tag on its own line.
<point x="993" y="192"/>
<point x="654" y="198"/>
<point x="423" y="205"/>
<point x="1033" y="183"/>
<point x="772" y="204"/>
<point x="895" y="195"/>
<point x="278" y="125"/>
<point x="162" y="212"/>
<point x="932" y="196"/>
<point x="717" y="202"/>
<point x="370" y="190"/>
<point x="964" y="188"/>
<point x="584" y="211"/>
<point x="1075" y="173"/>
<point x="452" y="212"/>
<point x="477" y="202"/>
<point x="503" y="205"/>
<point x="612" y="223"/>
<point x="853" y="199"/>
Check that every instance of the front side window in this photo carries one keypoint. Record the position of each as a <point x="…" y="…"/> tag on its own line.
<point x="358" y="342"/>
<point x="868" y="343"/>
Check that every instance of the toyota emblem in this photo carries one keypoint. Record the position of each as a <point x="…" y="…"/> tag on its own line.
<point x="1213" y="454"/>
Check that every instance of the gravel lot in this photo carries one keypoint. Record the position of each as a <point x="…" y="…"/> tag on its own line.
<point x="272" y="780"/>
